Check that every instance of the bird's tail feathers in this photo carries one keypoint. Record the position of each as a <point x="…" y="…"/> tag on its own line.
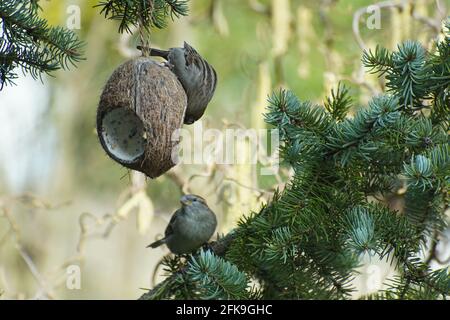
<point x="159" y="53"/>
<point x="155" y="52"/>
<point x="157" y="243"/>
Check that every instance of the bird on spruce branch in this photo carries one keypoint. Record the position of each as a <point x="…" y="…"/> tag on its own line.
<point x="190" y="227"/>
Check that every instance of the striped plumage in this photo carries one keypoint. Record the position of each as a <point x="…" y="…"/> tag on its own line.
<point x="198" y="77"/>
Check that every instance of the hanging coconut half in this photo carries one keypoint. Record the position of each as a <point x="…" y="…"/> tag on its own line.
<point x="140" y="109"/>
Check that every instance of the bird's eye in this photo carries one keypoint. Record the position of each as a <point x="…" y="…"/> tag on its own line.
<point x="194" y="199"/>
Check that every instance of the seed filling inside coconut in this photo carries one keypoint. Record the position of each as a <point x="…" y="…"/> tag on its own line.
<point x="123" y="134"/>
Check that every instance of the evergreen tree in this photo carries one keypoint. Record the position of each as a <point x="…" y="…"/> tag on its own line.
<point x="28" y="42"/>
<point x="143" y="13"/>
<point x="307" y="242"/>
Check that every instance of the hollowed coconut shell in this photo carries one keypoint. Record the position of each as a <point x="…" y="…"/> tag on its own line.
<point x="140" y="110"/>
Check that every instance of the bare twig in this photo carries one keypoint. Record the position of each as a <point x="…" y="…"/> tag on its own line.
<point x="179" y="181"/>
<point x="45" y="288"/>
<point x="358" y="14"/>
<point x="40" y="279"/>
<point x="434" y="25"/>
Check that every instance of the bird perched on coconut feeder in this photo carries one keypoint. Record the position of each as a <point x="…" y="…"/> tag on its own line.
<point x="190" y="227"/>
<point x="198" y="77"/>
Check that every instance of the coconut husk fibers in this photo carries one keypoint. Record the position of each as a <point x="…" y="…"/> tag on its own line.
<point x="155" y="95"/>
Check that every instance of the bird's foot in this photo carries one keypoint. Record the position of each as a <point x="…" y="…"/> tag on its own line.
<point x="207" y="247"/>
<point x="168" y="65"/>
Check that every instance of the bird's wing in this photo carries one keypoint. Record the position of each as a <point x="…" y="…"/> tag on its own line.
<point x="172" y="222"/>
<point x="189" y="54"/>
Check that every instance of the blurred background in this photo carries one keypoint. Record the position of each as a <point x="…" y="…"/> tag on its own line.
<point x="74" y="224"/>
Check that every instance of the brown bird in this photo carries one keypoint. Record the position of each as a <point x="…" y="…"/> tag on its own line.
<point x="190" y="227"/>
<point x="198" y="77"/>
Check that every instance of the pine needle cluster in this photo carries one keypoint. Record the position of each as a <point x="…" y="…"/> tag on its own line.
<point x="28" y="42"/>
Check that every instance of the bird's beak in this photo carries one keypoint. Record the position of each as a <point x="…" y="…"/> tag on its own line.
<point x="185" y="202"/>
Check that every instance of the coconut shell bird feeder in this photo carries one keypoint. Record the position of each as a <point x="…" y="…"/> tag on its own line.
<point x="141" y="109"/>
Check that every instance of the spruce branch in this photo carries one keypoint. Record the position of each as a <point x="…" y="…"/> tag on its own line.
<point x="307" y="241"/>
<point x="165" y="288"/>
<point x="142" y="13"/>
<point x="353" y="134"/>
<point x="415" y="286"/>
<point x="339" y="103"/>
<point x="439" y="66"/>
<point x="28" y="42"/>
<point x="379" y="61"/>
<point x="216" y="278"/>
<point x="413" y="75"/>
